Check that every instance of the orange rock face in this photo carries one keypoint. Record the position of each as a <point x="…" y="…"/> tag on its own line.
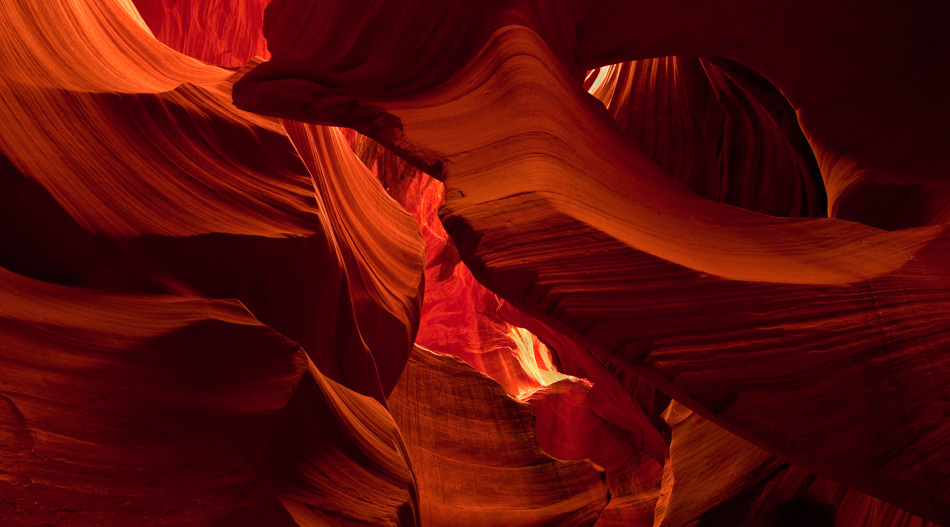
<point x="445" y="264"/>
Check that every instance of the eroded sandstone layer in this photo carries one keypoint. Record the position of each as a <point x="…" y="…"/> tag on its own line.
<point x="609" y="263"/>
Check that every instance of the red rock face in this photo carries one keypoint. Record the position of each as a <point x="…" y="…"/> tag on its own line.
<point x="437" y="264"/>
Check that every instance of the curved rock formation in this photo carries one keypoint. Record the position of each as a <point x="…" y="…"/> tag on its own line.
<point x="475" y="455"/>
<point x="209" y="199"/>
<point x="554" y="211"/>
<point x="212" y="317"/>
<point x="718" y="127"/>
<point x="378" y="241"/>
<point x="568" y="428"/>
<point x="715" y="478"/>
<point x="338" y="458"/>
<point x="866" y="82"/>
<point x="156" y="376"/>
<point x="162" y="409"/>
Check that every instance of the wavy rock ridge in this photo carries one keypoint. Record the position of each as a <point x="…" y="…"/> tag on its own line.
<point x="217" y="307"/>
<point x="554" y="211"/>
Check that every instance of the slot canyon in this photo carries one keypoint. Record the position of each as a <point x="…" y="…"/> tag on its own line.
<point x="507" y="263"/>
